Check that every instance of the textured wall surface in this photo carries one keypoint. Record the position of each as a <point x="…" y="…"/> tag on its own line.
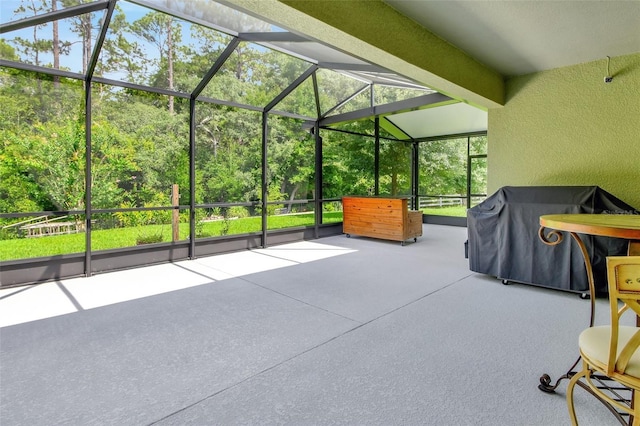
<point x="567" y="127"/>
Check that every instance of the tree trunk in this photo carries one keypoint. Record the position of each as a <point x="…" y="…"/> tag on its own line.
<point x="293" y="196"/>
<point x="56" y="45"/>
<point x="239" y="64"/>
<point x="170" y="62"/>
<point x="36" y="54"/>
<point x="394" y="184"/>
<point x="85" y="24"/>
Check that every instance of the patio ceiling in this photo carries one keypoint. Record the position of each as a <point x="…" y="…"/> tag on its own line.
<point x="409" y="118"/>
<point x="527" y="36"/>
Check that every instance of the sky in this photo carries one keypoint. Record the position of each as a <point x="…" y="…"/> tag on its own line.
<point x="72" y="61"/>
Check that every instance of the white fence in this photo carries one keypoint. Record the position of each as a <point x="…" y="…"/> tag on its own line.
<point x="441" y="201"/>
<point x="448" y="200"/>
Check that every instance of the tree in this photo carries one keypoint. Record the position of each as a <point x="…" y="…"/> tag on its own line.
<point x="159" y="140"/>
<point x="7" y="51"/>
<point x="56" y="159"/>
<point x="32" y="50"/>
<point x="478" y="146"/>
<point x="140" y="147"/>
<point x="395" y="168"/>
<point x="82" y="25"/>
<point x="19" y="191"/>
<point x="347" y="164"/>
<point x="164" y="32"/>
<point x="291" y="159"/>
<point x="55" y="43"/>
<point x="443" y="166"/>
<point x="120" y="52"/>
<point x="228" y="147"/>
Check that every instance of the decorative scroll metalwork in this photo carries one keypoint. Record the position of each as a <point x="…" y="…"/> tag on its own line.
<point x="552" y="238"/>
<point x="546" y="386"/>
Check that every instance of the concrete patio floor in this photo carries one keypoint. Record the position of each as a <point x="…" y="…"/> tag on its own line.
<point x="338" y="330"/>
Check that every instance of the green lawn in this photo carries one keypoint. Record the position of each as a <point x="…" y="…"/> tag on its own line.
<point x="24" y="248"/>
<point x="105" y="239"/>
<point x="459" y="211"/>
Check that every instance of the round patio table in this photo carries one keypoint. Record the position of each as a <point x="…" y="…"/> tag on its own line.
<point x="625" y="226"/>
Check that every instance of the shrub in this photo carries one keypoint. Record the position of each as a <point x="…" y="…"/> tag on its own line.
<point x="237" y="211"/>
<point x="148" y="239"/>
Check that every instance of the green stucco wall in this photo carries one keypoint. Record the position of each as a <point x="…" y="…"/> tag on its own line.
<point x="567" y="127"/>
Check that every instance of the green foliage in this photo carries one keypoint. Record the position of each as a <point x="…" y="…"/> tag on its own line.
<point x="164" y="33"/>
<point x="274" y="194"/>
<point x="333" y="206"/>
<point x="348" y="165"/>
<point x="443" y="167"/>
<point x="395" y="168"/>
<point x="7" y="51"/>
<point x="140" y="140"/>
<point x="237" y="212"/>
<point x="228" y="147"/>
<point x="291" y="161"/>
<point x="121" y="52"/>
<point x="52" y="157"/>
<point x="19" y="190"/>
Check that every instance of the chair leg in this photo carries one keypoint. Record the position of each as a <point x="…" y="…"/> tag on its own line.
<point x="636" y="408"/>
<point x="570" y="388"/>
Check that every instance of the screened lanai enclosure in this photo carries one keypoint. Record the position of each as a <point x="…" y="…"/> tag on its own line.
<point x="137" y="132"/>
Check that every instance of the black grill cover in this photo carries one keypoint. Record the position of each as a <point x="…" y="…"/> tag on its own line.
<point x="503" y="236"/>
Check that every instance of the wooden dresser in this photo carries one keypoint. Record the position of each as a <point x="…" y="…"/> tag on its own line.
<point x="381" y="217"/>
